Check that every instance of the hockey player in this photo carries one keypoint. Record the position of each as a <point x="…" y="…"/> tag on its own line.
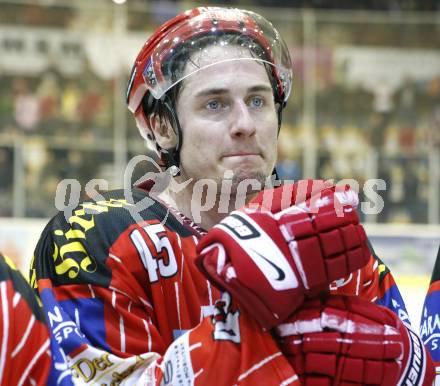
<point x="24" y="337"/>
<point x="430" y="323"/>
<point x="184" y="290"/>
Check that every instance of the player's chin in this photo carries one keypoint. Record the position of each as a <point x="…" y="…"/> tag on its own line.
<point x="245" y="179"/>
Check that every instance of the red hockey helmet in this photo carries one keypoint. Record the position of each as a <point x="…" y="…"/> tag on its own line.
<point x="160" y="64"/>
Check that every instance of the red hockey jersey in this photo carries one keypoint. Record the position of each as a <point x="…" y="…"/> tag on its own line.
<point x="24" y="337"/>
<point x="119" y="295"/>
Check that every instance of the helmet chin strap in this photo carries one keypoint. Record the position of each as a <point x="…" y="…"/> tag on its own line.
<point x="281" y="106"/>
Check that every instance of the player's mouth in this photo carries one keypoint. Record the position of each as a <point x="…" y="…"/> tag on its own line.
<point x="242" y="154"/>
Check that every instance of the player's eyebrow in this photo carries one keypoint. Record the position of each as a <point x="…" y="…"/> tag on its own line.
<point x="211" y="91"/>
<point x="221" y="91"/>
<point x="260" y="88"/>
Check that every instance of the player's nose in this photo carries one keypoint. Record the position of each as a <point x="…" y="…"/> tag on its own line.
<point x="242" y="122"/>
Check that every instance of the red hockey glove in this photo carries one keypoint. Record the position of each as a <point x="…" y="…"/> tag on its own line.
<point x="348" y="341"/>
<point x="270" y="261"/>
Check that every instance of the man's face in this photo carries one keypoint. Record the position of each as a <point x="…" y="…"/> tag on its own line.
<point x="228" y="117"/>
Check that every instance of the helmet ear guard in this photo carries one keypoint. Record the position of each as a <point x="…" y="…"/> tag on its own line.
<point x="172" y="156"/>
<point x="280" y="115"/>
<point x="168" y="157"/>
<point x="160" y="64"/>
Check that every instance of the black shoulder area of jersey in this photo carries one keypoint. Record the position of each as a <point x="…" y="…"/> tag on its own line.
<point x="73" y="247"/>
<point x="385" y="271"/>
<point x="129" y="207"/>
<point x="436" y="271"/>
<point x="20" y="285"/>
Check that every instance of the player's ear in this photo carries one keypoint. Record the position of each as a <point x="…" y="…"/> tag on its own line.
<point x="164" y="134"/>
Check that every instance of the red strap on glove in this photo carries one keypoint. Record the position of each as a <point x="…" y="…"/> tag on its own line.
<point x="271" y="261"/>
<point x="349" y="341"/>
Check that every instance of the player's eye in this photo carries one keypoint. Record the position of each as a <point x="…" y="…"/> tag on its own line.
<point x="256" y="102"/>
<point x="213" y="105"/>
